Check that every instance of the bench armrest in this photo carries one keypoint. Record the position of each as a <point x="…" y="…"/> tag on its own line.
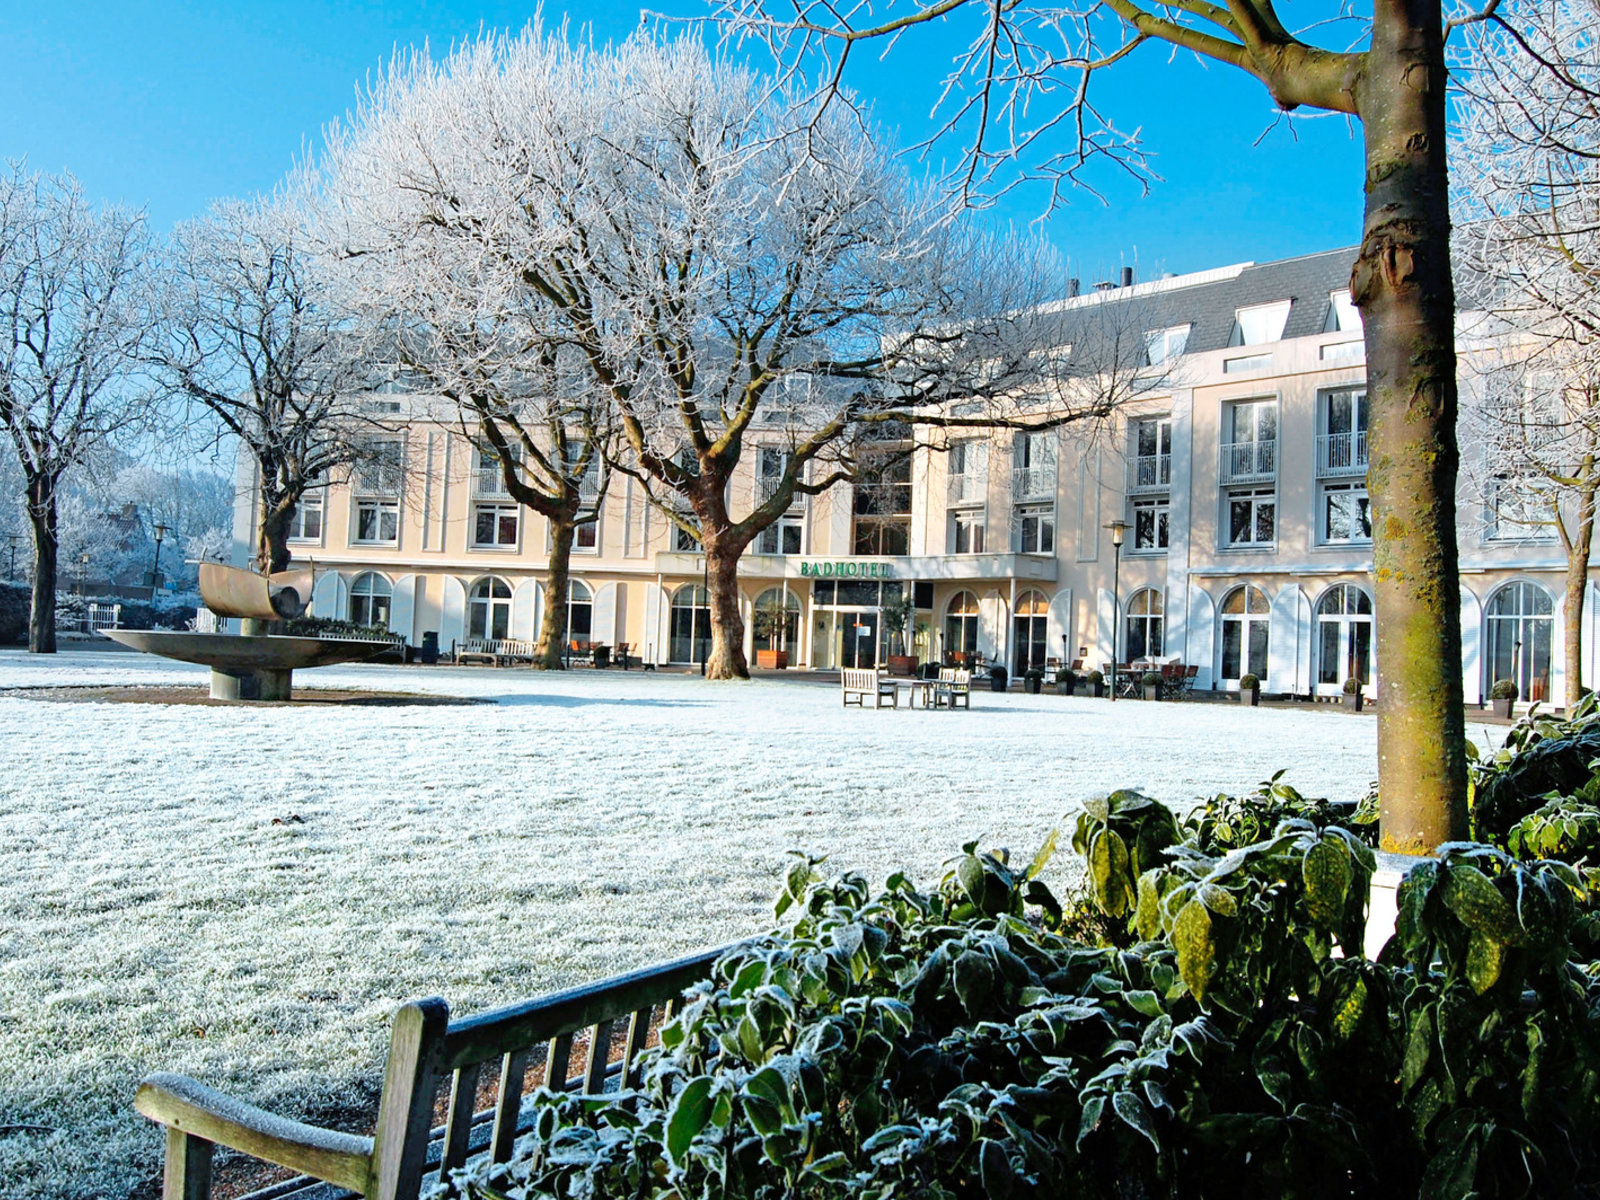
<point x="181" y="1103"/>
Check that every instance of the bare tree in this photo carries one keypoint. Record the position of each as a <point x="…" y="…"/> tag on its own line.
<point x="1022" y="94"/>
<point x="71" y="329"/>
<point x="1527" y="201"/>
<point x="253" y="340"/>
<point x="728" y="274"/>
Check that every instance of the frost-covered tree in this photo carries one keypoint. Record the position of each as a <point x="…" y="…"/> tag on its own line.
<point x="1527" y="199"/>
<point x="253" y="342"/>
<point x="72" y="325"/>
<point x="723" y="269"/>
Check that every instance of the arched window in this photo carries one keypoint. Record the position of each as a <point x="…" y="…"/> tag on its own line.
<point x="690" y="640"/>
<point x="961" y="625"/>
<point x="1144" y="625"/>
<point x="580" y="611"/>
<point x="489" y="608"/>
<point x="777" y="620"/>
<point x="1344" y="637"/>
<point x="1520" y="632"/>
<point x="369" y="600"/>
<point x="1245" y="615"/>
<point x="1028" y="628"/>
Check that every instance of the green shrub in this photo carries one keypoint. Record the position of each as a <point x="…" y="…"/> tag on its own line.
<point x="1248" y="683"/>
<point x="1544" y="757"/>
<point x="968" y="1041"/>
<point x="1151" y="679"/>
<point x="16" y="603"/>
<point x="1503" y="689"/>
<point x="1066" y="676"/>
<point x="332" y="627"/>
<point x="1352" y="686"/>
<point x="1096" y="677"/>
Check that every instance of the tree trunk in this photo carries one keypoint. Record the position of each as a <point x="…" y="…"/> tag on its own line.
<point x="272" y="534"/>
<point x="553" y="629"/>
<point x="727" y="660"/>
<point x="46" y="550"/>
<point x="1577" y="584"/>
<point x="1403" y="285"/>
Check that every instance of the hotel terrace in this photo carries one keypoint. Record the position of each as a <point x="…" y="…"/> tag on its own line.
<point x="1242" y="482"/>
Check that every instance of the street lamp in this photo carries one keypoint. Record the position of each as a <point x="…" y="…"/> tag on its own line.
<point x="83" y="571"/>
<point x="11" y="571"/>
<point x="155" y="569"/>
<point x="1116" y="527"/>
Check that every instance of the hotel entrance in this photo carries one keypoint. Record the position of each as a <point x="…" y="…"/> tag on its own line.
<point x="847" y="622"/>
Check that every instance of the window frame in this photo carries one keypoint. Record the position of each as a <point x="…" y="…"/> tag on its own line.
<point x="499" y="507"/>
<point x="1257" y="494"/>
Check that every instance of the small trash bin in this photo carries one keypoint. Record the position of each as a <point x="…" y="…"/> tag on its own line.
<point x="602" y="657"/>
<point x="429" y="651"/>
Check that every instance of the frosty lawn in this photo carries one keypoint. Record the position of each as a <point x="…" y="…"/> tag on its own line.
<point x="245" y="895"/>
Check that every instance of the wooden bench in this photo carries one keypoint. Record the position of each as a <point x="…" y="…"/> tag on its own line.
<point x="858" y="684"/>
<point x="426" y="1050"/>
<point x="496" y="652"/>
<point x="953" y="690"/>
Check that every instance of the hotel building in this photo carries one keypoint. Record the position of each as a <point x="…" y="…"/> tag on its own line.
<point x="1241" y="478"/>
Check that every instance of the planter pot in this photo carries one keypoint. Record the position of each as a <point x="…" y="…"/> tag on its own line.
<point x="1065" y="689"/>
<point x="1033" y="686"/>
<point x="1250" y="696"/>
<point x="1354" y="700"/>
<point x="903" y="664"/>
<point x="1502" y="708"/>
<point x="1152" y="691"/>
<point x="997" y="681"/>
<point x="1099" y="691"/>
<point x="772" y="660"/>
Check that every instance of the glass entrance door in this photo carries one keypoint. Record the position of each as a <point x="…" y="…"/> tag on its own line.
<point x="1344" y="639"/>
<point x="860" y="639"/>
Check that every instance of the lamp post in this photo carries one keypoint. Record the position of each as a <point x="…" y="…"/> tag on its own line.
<point x="155" y="569"/>
<point x="83" y="571"/>
<point x="11" y="571"/>
<point x="1116" y="527"/>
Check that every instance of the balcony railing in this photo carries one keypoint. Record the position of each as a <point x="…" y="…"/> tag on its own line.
<point x="1342" y="453"/>
<point x="968" y="488"/>
<point x="1249" y="462"/>
<point x="1149" y="473"/>
<point x="490" y="482"/>
<point x="1033" y="483"/>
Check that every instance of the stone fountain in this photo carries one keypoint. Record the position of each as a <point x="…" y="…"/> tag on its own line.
<point x="251" y="664"/>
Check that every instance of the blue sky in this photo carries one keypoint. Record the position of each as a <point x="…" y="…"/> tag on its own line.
<point x="172" y="104"/>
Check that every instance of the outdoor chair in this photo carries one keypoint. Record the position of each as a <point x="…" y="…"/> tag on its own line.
<point x="858" y="685"/>
<point x="954" y="689"/>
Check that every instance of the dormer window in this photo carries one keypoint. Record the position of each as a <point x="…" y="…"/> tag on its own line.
<point x="1260" y="323"/>
<point x="1343" y="315"/>
<point x="1164" y="345"/>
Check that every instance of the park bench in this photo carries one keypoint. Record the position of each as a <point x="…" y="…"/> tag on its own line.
<point x="496" y="652"/>
<point x="427" y="1050"/>
<point x="860" y="683"/>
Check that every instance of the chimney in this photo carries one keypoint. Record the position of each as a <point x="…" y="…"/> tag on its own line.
<point x="1105" y="285"/>
<point x="1127" y="276"/>
<point x="1074" y="287"/>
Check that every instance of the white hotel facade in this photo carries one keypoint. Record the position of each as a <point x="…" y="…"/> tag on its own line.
<point x="1248" y="545"/>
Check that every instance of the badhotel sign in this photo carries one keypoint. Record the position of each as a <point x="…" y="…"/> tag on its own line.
<point x="846" y="570"/>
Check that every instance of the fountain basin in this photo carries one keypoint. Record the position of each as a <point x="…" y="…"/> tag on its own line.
<point x="249" y="667"/>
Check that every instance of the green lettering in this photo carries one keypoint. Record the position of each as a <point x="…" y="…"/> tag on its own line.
<point x="827" y="568"/>
<point x="805" y="568"/>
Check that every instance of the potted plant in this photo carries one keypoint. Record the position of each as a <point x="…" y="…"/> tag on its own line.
<point x="1066" y="682"/>
<point x="769" y="625"/>
<point x="997" y="679"/>
<point x="896" y="616"/>
<point x="1151" y="682"/>
<point x="1502" y="696"/>
<point x="1098" y="682"/>
<point x="1250" y="690"/>
<point x="1033" y="681"/>
<point x="1352" y="693"/>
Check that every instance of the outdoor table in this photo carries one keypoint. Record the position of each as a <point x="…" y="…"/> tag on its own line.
<point x="918" y="687"/>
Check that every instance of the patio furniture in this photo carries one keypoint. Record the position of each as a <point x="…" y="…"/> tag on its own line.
<point x="621" y="658"/>
<point x="858" y="684"/>
<point x="953" y="689"/>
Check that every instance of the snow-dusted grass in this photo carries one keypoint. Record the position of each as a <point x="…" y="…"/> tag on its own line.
<point x="163" y="908"/>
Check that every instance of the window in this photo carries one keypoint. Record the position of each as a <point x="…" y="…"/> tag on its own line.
<point x="489" y="479"/>
<point x="586" y="537"/>
<point x="1033" y="466"/>
<point x="1144" y="625"/>
<point x="1252" y="514"/>
<point x="777" y="620"/>
<point x="1519" y="507"/>
<point x="1520" y="629"/>
<point x="1150" y="524"/>
<point x="1342" y="433"/>
<point x="1036" y="529"/>
<point x="1343" y="315"/>
<point x="683" y="541"/>
<point x="784" y="536"/>
<point x="1246" y="364"/>
<point x="1259" y="324"/>
<point x="1346" y="513"/>
<point x="690" y="629"/>
<point x="961" y="625"/>
<point x="772" y="462"/>
<point x="1344" y="638"/>
<point x="1245" y="630"/>
<point x="378" y="471"/>
<point x="1164" y="345"/>
<point x="580" y="611"/>
<point x="1029" y="627"/>
<point x="1250" y="441"/>
<point x="494" y="525"/>
<point x="377" y="522"/>
<point x="968" y="537"/>
<point x="1150" y="454"/>
<point x="370" y="595"/>
<point x="969" y="472"/>
<point x="1337" y="353"/>
<point x="305" y="522"/>
<point x="489" y="609"/>
<point x="881" y="504"/>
